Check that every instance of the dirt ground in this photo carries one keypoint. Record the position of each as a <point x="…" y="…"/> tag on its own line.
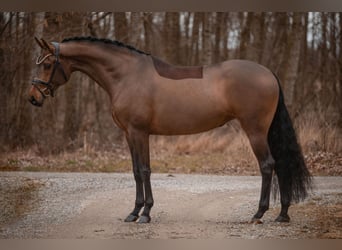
<point x="93" y="206"/>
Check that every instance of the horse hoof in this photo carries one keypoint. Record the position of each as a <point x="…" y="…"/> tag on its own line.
<point x="283" y="218"/>
<point x="255" y="221"/>
<point x="131" y="218"/>
<point x="144" y="219"/>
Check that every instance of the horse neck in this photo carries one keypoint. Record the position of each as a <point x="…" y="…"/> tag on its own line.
<point x="106" y="66"/>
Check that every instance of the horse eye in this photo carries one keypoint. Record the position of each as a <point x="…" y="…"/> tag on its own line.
<point x="47" y="65"/>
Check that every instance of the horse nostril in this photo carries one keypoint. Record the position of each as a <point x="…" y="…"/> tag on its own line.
<point x="33" y="101"/>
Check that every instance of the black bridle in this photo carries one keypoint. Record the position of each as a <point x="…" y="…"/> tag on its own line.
<point x="56" y="65"/>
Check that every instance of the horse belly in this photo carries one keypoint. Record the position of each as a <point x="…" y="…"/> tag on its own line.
<point x="182" y="127"/>
<point x="187" y="119"/>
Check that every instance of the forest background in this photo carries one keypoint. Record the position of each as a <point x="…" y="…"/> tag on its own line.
<point x="74" y="131"/>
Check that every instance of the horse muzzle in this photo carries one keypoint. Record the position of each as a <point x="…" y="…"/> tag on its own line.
<point x="34" y="102"/>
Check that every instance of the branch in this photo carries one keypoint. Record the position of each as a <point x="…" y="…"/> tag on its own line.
<point x="102" y="16"/>
<point x="5" y="26"/>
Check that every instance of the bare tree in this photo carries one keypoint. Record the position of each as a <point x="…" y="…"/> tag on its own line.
<point x="277" y="50"/>
<point x="7" y="72"/>
<point x="172" y="36"/>
<point x="292" y="60"/>
<point x="135" y="29"/>
<point x="121" y="27"/>
<point x="148" y="30"/>
<point x="245" y="34"/>
<point x="339" y="88"/>
<point x="256" y="51"/>
<point x="220" y="49"/>
<point x="194" y="51"/>
<point x="206" y="38"/>
<point x="186" y="43"/>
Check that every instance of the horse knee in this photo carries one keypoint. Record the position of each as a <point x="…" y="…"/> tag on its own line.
<point x="137" y="176"/>
<point x="145" y="174"/>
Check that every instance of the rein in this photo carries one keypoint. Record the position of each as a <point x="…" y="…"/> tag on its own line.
<point x="56" y="65"/>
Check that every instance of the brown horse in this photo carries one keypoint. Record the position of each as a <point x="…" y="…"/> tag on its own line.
<point x="149" y="96"/>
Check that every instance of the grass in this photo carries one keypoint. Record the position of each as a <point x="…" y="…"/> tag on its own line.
<point x="225" y="150"/>
<point x="316" y="137"/>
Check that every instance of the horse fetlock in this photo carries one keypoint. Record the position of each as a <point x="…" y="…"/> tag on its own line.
<point x="260" y="213"/>
<point x="263" y="208"/>
<point x="149" y="204"/>
<point x="147" y="209"/>
<point x="139" y="204"/>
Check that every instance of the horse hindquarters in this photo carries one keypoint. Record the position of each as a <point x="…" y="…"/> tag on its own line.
<point x="275" y="145"/>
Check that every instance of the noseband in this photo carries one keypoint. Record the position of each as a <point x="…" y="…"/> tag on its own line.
<point x="56" y="65"/>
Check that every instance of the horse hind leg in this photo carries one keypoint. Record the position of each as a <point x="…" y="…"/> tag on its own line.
<point x="285" y="200"/>
<point x="259" y="144"/>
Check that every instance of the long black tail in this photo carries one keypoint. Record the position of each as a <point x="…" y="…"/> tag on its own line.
<point x="290" y="166"/>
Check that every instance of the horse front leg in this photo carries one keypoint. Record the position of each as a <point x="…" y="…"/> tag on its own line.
<point x="139" y="147"/>
<point x="139" y="198"/>
<point x="146" y="173"/>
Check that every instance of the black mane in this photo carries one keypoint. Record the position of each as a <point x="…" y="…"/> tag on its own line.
<point x="103" y="40"/>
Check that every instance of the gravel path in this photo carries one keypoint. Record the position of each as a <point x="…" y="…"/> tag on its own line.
<point x="89" y="205"/>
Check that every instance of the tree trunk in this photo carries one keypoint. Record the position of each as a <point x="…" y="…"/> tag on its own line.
<point x="292" y="61"/>
<point x="218" y="39"/>
<point x="172" y="37"/>
<point x="148" y="31"/>
<point x="245" y="36"/>
<point x="225" y="35"/>
<point x="340" y="71"/>
<point x="206" y="38"/>
<point x="21" y="125"/>
<point x="278" y="48"/>
<point x="135" y="29"/>
<point x="120" y="27"/>
<point x="195" y="39"/>
<point x="186" y="39"/>
<point x="6" y="75"/>
<point x="167" y="36"/>
<point x="176" y="35"/>
<point x="255" y="51"/>
<point x="73" y="94"/>
<point x="301" y="85"/>
<point x="325" y="68"/>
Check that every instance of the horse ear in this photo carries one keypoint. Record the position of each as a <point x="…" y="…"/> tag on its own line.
<point x="39" y="42"/>
<point x="48" y="46"/>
